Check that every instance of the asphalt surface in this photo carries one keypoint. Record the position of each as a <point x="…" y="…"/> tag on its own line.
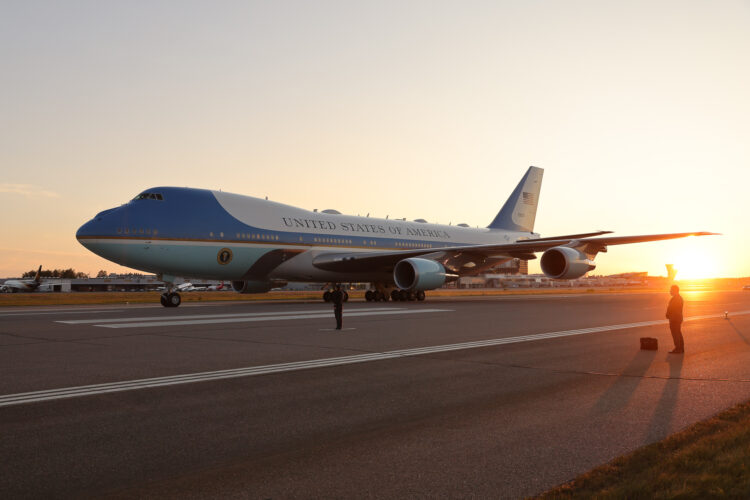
<point x="528" y="393"/>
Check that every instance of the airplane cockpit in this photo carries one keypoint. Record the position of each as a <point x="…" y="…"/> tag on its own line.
<point x="149" y="196"/>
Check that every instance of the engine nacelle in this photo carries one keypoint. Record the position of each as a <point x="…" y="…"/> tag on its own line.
<point x="251" y="286"/>
<point x="420" y="274"/>
<point x="565" y="263"/>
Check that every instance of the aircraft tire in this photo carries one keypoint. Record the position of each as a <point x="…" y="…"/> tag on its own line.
<point x="395" y="295"/>
<point x="420" y="295"/>
<point x="163" y="299"/>
<point x="174" y="299"/>
<point x="403" y="295"/>
<point x="369" y="296"/>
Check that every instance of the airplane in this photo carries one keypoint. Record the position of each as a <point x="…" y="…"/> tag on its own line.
<point x="13" y="286"/>
<point x="184" y="287"/>
<point x="258" y="244"/>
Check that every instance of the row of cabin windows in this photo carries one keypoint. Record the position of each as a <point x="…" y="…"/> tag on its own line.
<point x="249" y="236"/>
<point x="335" y="241"/>
<point x="133" y="230"/>
<point x="406" y="244"/>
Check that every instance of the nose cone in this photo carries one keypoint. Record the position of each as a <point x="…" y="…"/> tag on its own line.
<point x="102" y="225"/>
<point x="84" y="232"/>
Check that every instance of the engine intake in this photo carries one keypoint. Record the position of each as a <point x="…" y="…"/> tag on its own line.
<point x="420" y="274"/>
<point x="565" y="263"/>
<point x="251" y="286"/>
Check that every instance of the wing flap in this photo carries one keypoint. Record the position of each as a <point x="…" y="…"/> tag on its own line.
<point x="456" y="256"/>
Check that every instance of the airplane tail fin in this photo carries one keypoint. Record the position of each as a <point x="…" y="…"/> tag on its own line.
<point x="519" y="211"/>
<point x="38" y="275"/>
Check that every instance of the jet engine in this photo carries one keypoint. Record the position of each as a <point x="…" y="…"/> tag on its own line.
<point x="565" y="263"/>
<point x="251" y="286"/>
<point x="420" y="274"/>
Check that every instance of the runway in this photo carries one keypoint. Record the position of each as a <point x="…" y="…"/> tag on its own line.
<point x="496" y="397"/>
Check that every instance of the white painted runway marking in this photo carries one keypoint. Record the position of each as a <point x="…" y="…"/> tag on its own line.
<point x="130" y="385"/>
<point x="206" y="316"/>
<point x="47" y="312"/>
<point x="154" y="322"/>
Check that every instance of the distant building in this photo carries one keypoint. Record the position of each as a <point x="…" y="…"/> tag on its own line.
<point x="513" y="266"/>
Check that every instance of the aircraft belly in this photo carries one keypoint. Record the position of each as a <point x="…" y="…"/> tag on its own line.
<point x="182" y="258"/>
<point x="301" y="268"/>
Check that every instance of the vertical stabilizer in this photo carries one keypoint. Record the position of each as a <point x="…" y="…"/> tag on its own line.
<point x="38" y="276"/>
<point x="519" y="212"/>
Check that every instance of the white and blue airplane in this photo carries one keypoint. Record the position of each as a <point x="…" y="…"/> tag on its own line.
<point x="258" y="244"/>
<point x="14" y="286"/>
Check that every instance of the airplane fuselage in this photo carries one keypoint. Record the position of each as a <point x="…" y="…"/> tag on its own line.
<point x="222" y="236"/>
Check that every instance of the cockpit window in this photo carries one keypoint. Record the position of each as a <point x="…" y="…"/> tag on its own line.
<point x="149" y="196"/>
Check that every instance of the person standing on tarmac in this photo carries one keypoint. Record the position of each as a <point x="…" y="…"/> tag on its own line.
<point x="674" y="315"/>
<point x="337" y="297"/>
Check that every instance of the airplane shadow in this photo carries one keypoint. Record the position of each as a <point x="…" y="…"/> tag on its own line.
<point x="660" y="425"/>
<point x="618" y="394"/>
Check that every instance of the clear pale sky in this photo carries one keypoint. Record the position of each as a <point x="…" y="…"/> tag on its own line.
<point x="638" y="111"/>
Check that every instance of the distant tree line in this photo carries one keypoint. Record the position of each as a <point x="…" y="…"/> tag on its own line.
<point x="73" y="274"/>
<point x="56" y="273"/>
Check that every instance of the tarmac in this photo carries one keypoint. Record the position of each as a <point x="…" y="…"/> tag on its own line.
<point x="500" y="397"/>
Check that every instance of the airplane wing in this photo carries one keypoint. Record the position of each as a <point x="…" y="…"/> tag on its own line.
<point x="469" y="259"/>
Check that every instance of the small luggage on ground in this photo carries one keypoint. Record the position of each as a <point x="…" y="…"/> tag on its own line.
<point x="649" y="344"/>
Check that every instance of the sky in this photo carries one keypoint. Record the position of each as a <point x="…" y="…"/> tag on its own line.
<point x="638" y="112"/>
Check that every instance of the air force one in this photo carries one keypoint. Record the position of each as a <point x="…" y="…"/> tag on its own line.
<point x="13" y="286"/>
<point x="259" y="244"/>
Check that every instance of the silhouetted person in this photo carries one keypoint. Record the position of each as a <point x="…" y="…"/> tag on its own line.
<point x="674" y="315"/>
<point x="337" y="297"/>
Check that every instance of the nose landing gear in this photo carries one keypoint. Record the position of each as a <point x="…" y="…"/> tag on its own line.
<point x="396" y="295"/>
<point x="170" y="299"/>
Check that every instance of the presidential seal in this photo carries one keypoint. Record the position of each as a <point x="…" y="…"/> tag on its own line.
<point x="224" y="256"/>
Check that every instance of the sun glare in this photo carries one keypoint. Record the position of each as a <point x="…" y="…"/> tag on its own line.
<point x="694" y="264"/>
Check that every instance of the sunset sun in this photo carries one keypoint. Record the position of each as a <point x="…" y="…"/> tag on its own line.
<point x="693" y="263"/>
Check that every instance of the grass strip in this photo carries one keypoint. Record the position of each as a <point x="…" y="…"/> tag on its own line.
<point x="710" y="459"/>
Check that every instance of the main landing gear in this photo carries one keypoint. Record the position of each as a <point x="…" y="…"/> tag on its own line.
<point x="171" y="299"/>
<point x="395" y="295"/>
<point x="327" y="296"/>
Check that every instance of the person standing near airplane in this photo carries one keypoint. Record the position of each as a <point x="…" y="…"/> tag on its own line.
<point x="337" y="297"/>
<point x="674" y="315"/>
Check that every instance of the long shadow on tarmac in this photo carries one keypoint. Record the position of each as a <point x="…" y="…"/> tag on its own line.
<point x="621" y="390"/>
<point x="739" y="333"/>
<point x="661" y="421"/>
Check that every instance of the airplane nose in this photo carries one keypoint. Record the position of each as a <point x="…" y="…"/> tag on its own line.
<point x="85" y="231"/>
<point x="98" y="226"/>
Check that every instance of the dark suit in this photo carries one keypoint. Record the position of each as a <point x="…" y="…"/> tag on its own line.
<point x="337" y="297"/>
<point x="674" y="315"/>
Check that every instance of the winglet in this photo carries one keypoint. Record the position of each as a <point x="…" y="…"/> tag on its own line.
<point x="519" y="211"/>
